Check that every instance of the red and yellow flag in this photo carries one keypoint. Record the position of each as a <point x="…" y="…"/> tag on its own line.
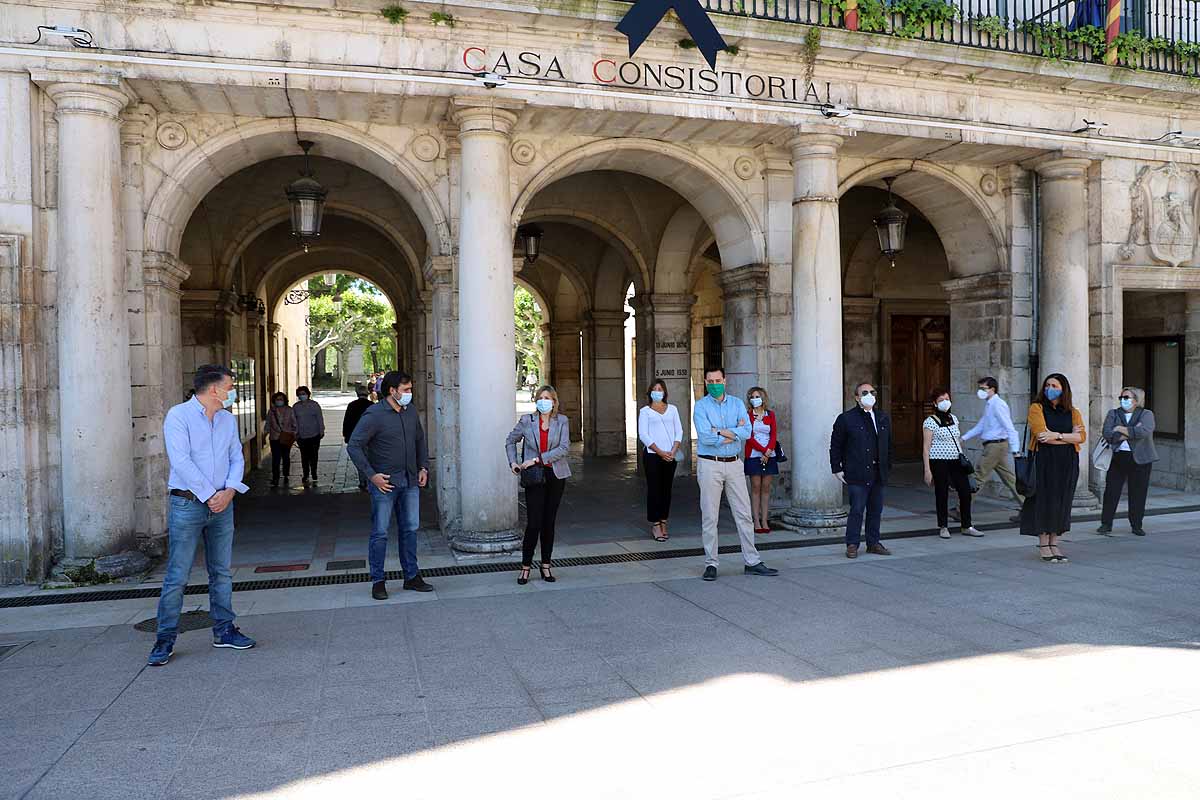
<point x="851" y="15"/>
<point x="1112" y="27"/>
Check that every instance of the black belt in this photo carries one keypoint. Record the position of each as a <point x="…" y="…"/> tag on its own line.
<point x="184" y="493"/>
<point x="994" y="441"/>
<point x="722" y="459"/>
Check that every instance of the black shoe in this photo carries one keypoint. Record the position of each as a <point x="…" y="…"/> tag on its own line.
<point x="417" y="585"/>
<point x="1104" y="528"/>
<point x="1138" y="532"/>
<point x="547" y="576"/>
<point x="760" y="569"/>
<point x="710" y="573"/>
<point x="274" y="481"/>
<point x="379" y="590"/>
<point x="523" y="576"/>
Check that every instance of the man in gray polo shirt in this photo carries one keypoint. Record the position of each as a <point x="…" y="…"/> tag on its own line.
<point x="388" y="445"/>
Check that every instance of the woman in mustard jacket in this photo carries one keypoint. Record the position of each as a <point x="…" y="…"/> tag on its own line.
<point x="1057" y="431"/>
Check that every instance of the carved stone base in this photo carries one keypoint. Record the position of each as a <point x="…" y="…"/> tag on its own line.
<point x="486" y="542"/>
<point x="800" y="518"/>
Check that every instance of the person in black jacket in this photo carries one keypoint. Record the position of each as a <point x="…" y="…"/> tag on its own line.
<point x="354" y="413"/>
<point x="860" y="456"/>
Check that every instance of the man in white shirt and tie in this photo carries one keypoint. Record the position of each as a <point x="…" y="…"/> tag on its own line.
<point x="1000" y="439"/>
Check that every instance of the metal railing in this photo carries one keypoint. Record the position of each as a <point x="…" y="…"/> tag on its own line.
<point x="1156" y="35"/>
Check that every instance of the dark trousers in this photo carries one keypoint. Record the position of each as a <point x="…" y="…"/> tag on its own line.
<point x="947" y="473"/>
<point x="541" y="509"/>
<point x="659" y="477"/>
<point x="865" y="498"/>
<point x="280" y="455"/>
<point x="308" y="455"/>
<point x="1122" y="469"/>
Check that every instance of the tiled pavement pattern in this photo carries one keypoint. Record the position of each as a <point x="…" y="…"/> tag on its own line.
<point x="955" y="669"/>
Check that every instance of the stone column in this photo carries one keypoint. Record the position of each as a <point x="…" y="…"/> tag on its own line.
<point x="1063" y="336"/>
<point x="439" y="274"/>
<point x="565" y="371"/>
<point x="485" y="335"/>
<point x="816" y="329"/>
<point x="93" y="324"/>
<point x="1191" y="393"/>
<point x="274" y="359"/>
<point x="606" y="412"/>
<point x="745" y="327"/>
<point x="672" y="340"/>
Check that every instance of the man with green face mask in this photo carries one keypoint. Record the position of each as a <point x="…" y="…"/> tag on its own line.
<point x="722" y="428"/>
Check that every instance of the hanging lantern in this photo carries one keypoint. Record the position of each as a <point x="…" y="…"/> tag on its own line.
<point x="330" y="279"/>
<point x="889" y="225"/>
<point x="337" y="302"/>
<point x="531" y="242"/>
<point x="307" y="198"/>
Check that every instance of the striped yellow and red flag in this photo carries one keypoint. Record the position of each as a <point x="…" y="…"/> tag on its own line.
<point x="851" y="15"/>
<point x="1112" y="27"/>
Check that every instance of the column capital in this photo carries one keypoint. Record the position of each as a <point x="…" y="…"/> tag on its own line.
<point x="84" y="92"/>
<point x="672" y="303"/>
<point x="1063" y="165"/>
<point x="570" y="327"/>
<point x="774" y="159"/>
<point x="859" y="308"/>
<point x="749" y="279"/>
<point x="439" y="269"/>
<point x="274" y="328"/>
<point x="809" y="139"/>
<point x="135" y="124"/>
<point x="483" y="115"/>
<point x="607" y="317"/>
<point x="164" y="269"/>
<point x="990" y="286"/>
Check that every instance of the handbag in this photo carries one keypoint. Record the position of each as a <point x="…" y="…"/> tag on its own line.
<point x="779" y="455"/>
<point x="967" y="467"/>
<point x="1025" y="468"/>
<point x="1102" y="455"/>
<point x="286" y="438"/>
<point x="534" y="475"/>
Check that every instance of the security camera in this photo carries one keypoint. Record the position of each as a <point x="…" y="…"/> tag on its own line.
<point x="1091" y="126"/>
<point x="490" y="80"/>
<point x="836" y="110"/>
<point x="76" y="36"/>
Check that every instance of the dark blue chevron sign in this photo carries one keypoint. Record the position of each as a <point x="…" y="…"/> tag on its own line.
<point x="646" y="14"/>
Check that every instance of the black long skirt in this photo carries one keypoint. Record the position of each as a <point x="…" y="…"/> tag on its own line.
<point x="1049" y="510"/>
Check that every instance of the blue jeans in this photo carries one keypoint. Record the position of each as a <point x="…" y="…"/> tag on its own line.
<point x="189" y="521"/>
<point x="865" y="497"/>
<point x="404" y="503"/>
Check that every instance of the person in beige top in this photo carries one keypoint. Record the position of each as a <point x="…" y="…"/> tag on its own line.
<point x="281" y="431"/>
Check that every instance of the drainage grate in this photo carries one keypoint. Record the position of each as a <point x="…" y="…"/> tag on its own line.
<point x="189" y="621"/>
<point x="8" y="649"/>
<point x="354" y="563"/>
<point x="491" y="567"/>
<point x="281" y="568"/>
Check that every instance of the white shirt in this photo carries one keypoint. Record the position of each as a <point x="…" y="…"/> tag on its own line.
<point x="663" y="429"/>
<point x="996" y="425"/>
<point x="762" y="432"/>
<point x="1125" y="444"/>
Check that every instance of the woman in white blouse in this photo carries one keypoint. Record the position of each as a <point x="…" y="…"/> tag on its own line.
<point x="942" y="465"/>
<point x="661" y="433"/>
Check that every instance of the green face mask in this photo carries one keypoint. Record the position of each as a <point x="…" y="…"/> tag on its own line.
<point x="716" y="390"/>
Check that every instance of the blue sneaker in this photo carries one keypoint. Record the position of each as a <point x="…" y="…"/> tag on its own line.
<point x="232" y="637"/>
<point x="161" y="653"/>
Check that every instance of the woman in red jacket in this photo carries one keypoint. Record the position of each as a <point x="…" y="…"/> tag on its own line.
<point x="762" y="457"/>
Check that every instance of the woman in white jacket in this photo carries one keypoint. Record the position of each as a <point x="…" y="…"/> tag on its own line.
<point x="661" y="434"/>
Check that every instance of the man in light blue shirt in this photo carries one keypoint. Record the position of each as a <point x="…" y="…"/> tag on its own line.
<point x="205" y="452"/>
<point x="999" y="437"/>
<point x="722" y="428"/>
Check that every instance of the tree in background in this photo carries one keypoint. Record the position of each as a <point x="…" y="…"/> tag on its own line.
<point x="362" y="317"/>
<point x="528" y="319"/>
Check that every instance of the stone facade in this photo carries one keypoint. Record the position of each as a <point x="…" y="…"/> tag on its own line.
<point x="142" y="218"/>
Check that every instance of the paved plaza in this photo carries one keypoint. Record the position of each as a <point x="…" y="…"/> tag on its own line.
<point x="954" y="668"/>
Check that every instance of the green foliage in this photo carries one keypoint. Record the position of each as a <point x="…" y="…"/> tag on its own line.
<point x="1054" y="40"/>
<point x="996" y="27"/>
<point x="87" y="575"/>
<point x="812" y="46"/>
<point x="686" y="44"/>
<point x="872" y="15"/>
<point x="394" y="14"/>
<point x="528" y="319"/>
<point x="443" y="18"/>
<point x="364" y="316"/>
<point x="920" y="15"/>
<point x="733" y="49"/>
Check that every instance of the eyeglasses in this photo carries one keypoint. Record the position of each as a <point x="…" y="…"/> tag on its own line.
<point x="1126" y="397"/>
<point x="866" y="392"/>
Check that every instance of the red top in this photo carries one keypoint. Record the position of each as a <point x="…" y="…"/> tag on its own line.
<point x="752" y="443"/>
<point x="545" y="437"/>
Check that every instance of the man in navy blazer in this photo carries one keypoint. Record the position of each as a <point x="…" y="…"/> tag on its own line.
<point x="860" y="456"/>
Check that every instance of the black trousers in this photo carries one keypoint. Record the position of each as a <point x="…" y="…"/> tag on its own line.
<point x="280" y="455"/>
<point x="659" y="478"/>
<point x="947" y="473"/>
<point x="308" y="455"/>
<point x="1122" y="469"/>
<point x="541" y="509"/>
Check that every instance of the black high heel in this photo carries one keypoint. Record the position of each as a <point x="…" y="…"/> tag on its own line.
<point x="546" y="575"/>
<point x="523" y="578"/>
<point x="1048" y="558"/>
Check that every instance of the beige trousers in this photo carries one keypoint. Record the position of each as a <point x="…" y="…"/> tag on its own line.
<point x="995" y="458"/>
<point x="715" y="478"/>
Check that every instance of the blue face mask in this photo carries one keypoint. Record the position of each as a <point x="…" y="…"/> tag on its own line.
<point x="1053" y="394"/>
<point x="756" y="402"/>
<point x="545" y="406"/>
<point x="1126" y="404"/>
<point x="656" y="396"/>
<point x="230" y="399"/>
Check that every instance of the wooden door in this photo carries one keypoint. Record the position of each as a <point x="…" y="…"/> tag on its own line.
<point x="919" y="362"/>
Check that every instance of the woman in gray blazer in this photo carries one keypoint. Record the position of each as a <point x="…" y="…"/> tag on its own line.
<point x="1130" y="431"/>
<point x="545" y="438"/>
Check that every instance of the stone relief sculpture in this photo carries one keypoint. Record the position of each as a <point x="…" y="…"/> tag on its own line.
<point x="1163" y="214"/>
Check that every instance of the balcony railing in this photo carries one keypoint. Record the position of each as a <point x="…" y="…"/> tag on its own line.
<point x="1155" y="35"/>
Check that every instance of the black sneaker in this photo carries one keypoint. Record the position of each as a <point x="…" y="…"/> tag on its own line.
<point x="417" y="585"/>
<point x="760" y="569"/>
<point x="1138" y="532"/>
<point x="710" y="573"/>
<point x="161" y="653"/>
<point x="379" y="590"/>
<point x="1104" y="528"/>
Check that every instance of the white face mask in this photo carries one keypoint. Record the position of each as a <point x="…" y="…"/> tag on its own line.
<point x="656" y="396"/>
<point x="982" y="394"/>
<point x="756" y="402"/>
<point x="943" y="406"/>
<point x="404" y="399"/>
<point x="868" y="401"/>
